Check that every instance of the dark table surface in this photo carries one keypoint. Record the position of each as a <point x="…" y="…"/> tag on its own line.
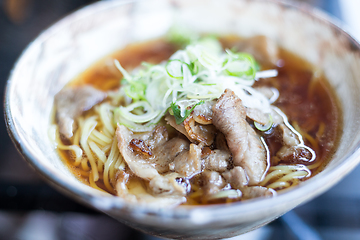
<point x="30" y="209"/>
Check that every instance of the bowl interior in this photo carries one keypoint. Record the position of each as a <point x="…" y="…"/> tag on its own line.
<point x="67" y="48"/>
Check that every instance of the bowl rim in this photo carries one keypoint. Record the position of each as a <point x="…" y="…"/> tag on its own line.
<point x="212" y="213"/>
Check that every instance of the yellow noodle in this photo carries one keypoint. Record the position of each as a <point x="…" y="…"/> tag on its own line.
<point x="107" y="133"/>
<point x="100" y="166"/>
<point x="195" y="187"/>
<point x="285" y="167"/>
<point x="191" y="202"/>
<point x="291" y="168"/>
<point x="89" y="125"/>
<point x="122" y="165"/>
<point x="101" y="137"/>
<point x="112" y="169"/>
<point x="307" y="136"/>
<point x="294" y="182"/>
<point x="285" y="174"/>
<point x="90" y="159"/>
<point x="106" y="117"/>
<point x="83" y="173"/>
<point x="84" y="164"/>
<point x="107" y="125"/>
<point x="98" y="152"/>
<point x="113" y="151"/>
<point x="92" y="182"/>
<point x="277" y="173"/>
<point x="94" y="138"/>
<point x="275" y="160"/>
<point x="112" y="157"/>
<point x="314" y="80"/>
<point x="291" y="176"/>
<point x="196" y="194"/>
<point x="117" y="163"/>
<point x="75" y="149"/>
<point x="278" y="185"/>
<point x="106" y="148"/>
<point x="76" y="138"/>
<point x="312" y="141"/>
<point x="315" y="165"/>
<point x="321" y="130"/>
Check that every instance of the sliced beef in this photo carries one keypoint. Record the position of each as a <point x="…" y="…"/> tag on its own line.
<point x="257" y="115"/>
<point x="247" y="150"/>
<point x="195" y="132"/>
<point x="294" y="154"/>
<point x="254" y="161"/>
<point x="201" y="133"/>
<point x="212" y="182"/>
<point x="277" y="118"/>
<point x="121" y="187"/>
<point x="144" y="166"/>
<point x="167" y="185"/>
<point x="216" y="160"/>
<point x="140" y="195"/>
<point x="179" y="127"/>
<point x="238" y="180"/>
<point x="137" y="163"/>
<point x="257" y="191"/>
<point x="156" y="149"/>
<point x="158" y="137"/>
<point x="203" y="113"/>
<point x="70" y="103"/>
<point x="155" y="153"/>
<point x="220" y="142"/>
<point x="188" y="163"/>
<point x="229" y="117"/>
<point x="140" y="146"/>
<point x="291" y="151"/>
<point x="236" y="177"/>
<point x="165" y="153"/>
<point x="289" y="138"/>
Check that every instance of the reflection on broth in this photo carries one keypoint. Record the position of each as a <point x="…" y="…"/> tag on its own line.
<point x="207" y="126"/>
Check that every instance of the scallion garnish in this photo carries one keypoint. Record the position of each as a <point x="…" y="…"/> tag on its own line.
<point x="176" y="111"/>
<point x="175" y="68"/>
<point x="265" y="127"/>
<point x="201" y="71"/>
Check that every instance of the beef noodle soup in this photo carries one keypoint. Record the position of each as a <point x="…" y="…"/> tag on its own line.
<point x="197" y="122"/>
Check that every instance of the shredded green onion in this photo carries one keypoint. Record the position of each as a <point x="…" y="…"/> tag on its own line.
<point x="265" y="127"/>
<point x="241" y="65"/>
<point x="175" y="68"/>
<point x="147" y="115"/>
<point x="200" y="72"/>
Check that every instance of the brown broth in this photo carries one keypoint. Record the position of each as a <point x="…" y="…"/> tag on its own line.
<point x="306" y="98"/>
<point x="105" y="76"/>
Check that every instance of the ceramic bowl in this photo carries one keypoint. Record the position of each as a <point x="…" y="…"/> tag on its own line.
<point x="69" y="46"/>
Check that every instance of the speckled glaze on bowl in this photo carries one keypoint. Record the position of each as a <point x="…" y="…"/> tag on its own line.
<point x="72" y="44"/>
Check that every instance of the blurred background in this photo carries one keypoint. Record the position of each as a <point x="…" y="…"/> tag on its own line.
<point x="32" y="210"/>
